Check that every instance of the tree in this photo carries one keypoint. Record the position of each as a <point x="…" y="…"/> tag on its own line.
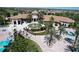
<point x="29" y="16"/>
<point x="75" y="45"/>
<point x="51" y="30"/>
<point x="2" y="21"/>
<point x="75" y="17"/>
<point x="3" y="14"/>
<point x="49" y="24"/>
<point x="40" y="18"/>
<point x="51" y="21"/>
<point x="21" y="44"/>
<point x="15" y="13"/>
<point x="40" y="21"/>
<point x="76" y="38"/>
<point x="50" y="39"/>
<point x="15" y="33"/>
<point x="62" y="30"/>
<point x="76" y="35"/>
<point x="8" y="14"/>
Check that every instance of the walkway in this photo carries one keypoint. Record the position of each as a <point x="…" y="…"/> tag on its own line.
<point x="59" y="46"/>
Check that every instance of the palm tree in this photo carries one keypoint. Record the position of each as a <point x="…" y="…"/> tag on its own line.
<point x="49" y="25"/>
<point x="50" y="39"/>
<point x="75" y="43"/>
<point x="51" y="30"/>
<point x="77" y="49"/>
<point x="15" y="33"/>
<point x="76" y="38"/>
<point x="29" y="17"/>
<point x="2" y="20"/>
<point x="62" y="30"/>
<point x="3" y="15"/>
<point x="40" y="17"/>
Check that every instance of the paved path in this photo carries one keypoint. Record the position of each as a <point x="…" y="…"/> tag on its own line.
<point x="59" y="46"/>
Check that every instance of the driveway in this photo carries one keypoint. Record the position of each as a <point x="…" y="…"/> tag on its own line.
<point x="59" y="46"/>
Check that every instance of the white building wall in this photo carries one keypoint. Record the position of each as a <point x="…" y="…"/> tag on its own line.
<point x="34" y="17"/>
<point x="56" y="27"/>
<point x="16" y="22"/>
<point x="65" y="24"/>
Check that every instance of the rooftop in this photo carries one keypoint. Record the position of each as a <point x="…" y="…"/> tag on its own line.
<point x="19" y="16"/>
<point x="34" y="12"/>
<point x="46" y="18"/>
<point x="57" y="18"/>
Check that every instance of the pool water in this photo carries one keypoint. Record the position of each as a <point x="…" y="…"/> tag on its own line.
<point x="5" y="42"/>
<point x="2" y="49"/>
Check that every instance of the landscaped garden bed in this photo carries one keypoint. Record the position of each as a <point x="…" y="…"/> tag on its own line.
<point x="37" y="29"/>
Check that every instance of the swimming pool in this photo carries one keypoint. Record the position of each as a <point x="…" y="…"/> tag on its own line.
<point x="4" y="43"/>
<point x="2" y="49"/>
<point x="6" y="36"/>
<point x="5" y="40"/>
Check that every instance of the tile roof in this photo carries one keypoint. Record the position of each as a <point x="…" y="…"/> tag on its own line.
<point x="19" y="16"/>
<point x="57" y="18"/>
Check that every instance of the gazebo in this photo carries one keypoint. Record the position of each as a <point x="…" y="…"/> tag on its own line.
<point x="34" y="15"/>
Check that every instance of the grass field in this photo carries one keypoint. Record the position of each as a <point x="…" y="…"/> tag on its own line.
<point x="21" y="44"/>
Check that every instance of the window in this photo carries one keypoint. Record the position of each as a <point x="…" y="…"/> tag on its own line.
<point x="18" y="22"/>
<point x="14" y="22"/>
<point x="34" y="19"/>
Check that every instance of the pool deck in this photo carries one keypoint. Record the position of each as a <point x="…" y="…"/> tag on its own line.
<point x="3" y="36"/>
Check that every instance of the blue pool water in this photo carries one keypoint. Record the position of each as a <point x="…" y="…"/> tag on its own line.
<point x="4" y="43"/>
<point x="2" y="49"/>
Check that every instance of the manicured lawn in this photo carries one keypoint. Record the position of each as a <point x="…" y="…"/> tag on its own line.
<point x="24" y="45"/>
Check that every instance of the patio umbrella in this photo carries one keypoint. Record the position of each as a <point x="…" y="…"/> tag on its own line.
<point x="4" y="43"/>
<point x="2" y="49"/>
